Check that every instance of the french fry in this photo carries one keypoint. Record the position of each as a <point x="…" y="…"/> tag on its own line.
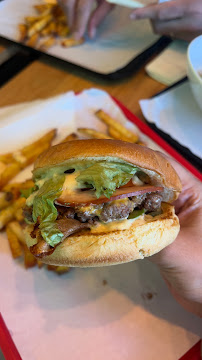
<point x="50" y="20"/>
<point x="70" y="42"/>
<point x="62" y="18"/>
<point x="47" y="43"/>
<point x="57" y="12"/>
<point x="11" y="170"/>
<point x="6" y="198"/>
<point x="46" y="31"/>
<point x="39" y="25"/>
<point x="62" y="30"/>
<point x="116" y="125"/>
<point x="46" y="139"/>
<point x="39" y="264"/>
<point x="58" y="269"/>
<point x="62" y="269"/>
<point x="2" y="166"/>
<point x="26" y="156"/>
<point x="32" y="41"/>
<point x="51" y="2"/>
<point x="70" y="137"/>
<point x="43" y="7"/>
<point x="141" y="143"/>
<point x="49" y="29"/>
<point x="10" y="196"/>
<point x="51" y="267"/>
<point x="15" y="247"/>
<point x="23" y="32"/>
<point x="16" y="228"/>
<point x="29" y="259"/>
<point x="117" y="135"/>
<point x="93" y="133"/>
<point x="6" y="158"/>
<point x="19" y="215"/>
<point x="7" y="214"/>
<point x="30" y="20"/>
<point x="15" y="188"/>
<point x="30" y="158"/>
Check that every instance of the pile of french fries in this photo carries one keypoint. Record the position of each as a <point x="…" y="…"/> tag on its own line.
<point x="11" y="198"/>
<point x="115" y="130"/>
<point x="46" y="28"/>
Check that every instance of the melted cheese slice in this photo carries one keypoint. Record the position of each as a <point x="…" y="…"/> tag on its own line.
<point x="117" y="225"/>
<point x="70" y="183"/>
<point x="167" y="210"/>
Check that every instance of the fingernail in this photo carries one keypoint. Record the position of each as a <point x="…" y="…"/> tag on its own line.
<point x="133" y="16"/>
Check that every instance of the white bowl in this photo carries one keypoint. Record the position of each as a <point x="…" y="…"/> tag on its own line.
<point x="194" y="68"/>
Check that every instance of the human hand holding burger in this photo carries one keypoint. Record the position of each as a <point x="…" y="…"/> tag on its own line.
<point x="180" y="263"/>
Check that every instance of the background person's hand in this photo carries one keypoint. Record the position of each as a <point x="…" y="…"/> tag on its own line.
<point x="181" y="19"/>
<point x="181" y="262"/>
<point x="82" y="15"/>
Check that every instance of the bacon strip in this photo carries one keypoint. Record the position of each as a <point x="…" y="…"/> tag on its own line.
<point x="70" y="226"/>
<point x="41" y="249"/>
<point x="66" y="226"/>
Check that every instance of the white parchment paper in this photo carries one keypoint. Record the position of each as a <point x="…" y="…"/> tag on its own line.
<point x="119" y="40"/>
<point x="132" y="316"/>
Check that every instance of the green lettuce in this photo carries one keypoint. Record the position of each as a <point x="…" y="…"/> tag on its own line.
<point x="45" y="210"/>
<point x="105" y="177"/>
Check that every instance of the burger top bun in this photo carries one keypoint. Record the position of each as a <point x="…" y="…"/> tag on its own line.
<point x="153" y="163"/>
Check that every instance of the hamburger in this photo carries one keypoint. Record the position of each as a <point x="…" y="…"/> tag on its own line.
<point x="100" y="202"/>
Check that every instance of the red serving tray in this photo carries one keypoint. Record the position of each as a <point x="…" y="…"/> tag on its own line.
<point x="145" y="129"/>
<point x="6" y="343"/>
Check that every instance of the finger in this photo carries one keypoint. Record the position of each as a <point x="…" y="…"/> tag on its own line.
<point x="176" y="26"/>
<point x="98" y="16"/>
<point x="164" y="11"/>
<point x="82" y="15"/>
<point x="69" y="8"/>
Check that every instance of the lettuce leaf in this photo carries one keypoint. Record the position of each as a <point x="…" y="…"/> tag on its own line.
<point x="45" y="210"/>
<point x="105" y="177"/>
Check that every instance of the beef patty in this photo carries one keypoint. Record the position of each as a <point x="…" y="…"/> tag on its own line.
<point x="112" y="210"/>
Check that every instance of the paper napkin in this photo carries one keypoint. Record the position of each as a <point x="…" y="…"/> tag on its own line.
<point x="176" y="113"/>
<point x="170" y="66"/>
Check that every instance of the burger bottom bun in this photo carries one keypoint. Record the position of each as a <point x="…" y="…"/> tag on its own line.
<point x="89" y="250"/>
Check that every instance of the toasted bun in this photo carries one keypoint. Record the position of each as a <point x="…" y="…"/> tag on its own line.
<point x="86" y="249"/>
<point x="110" y="150"/>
